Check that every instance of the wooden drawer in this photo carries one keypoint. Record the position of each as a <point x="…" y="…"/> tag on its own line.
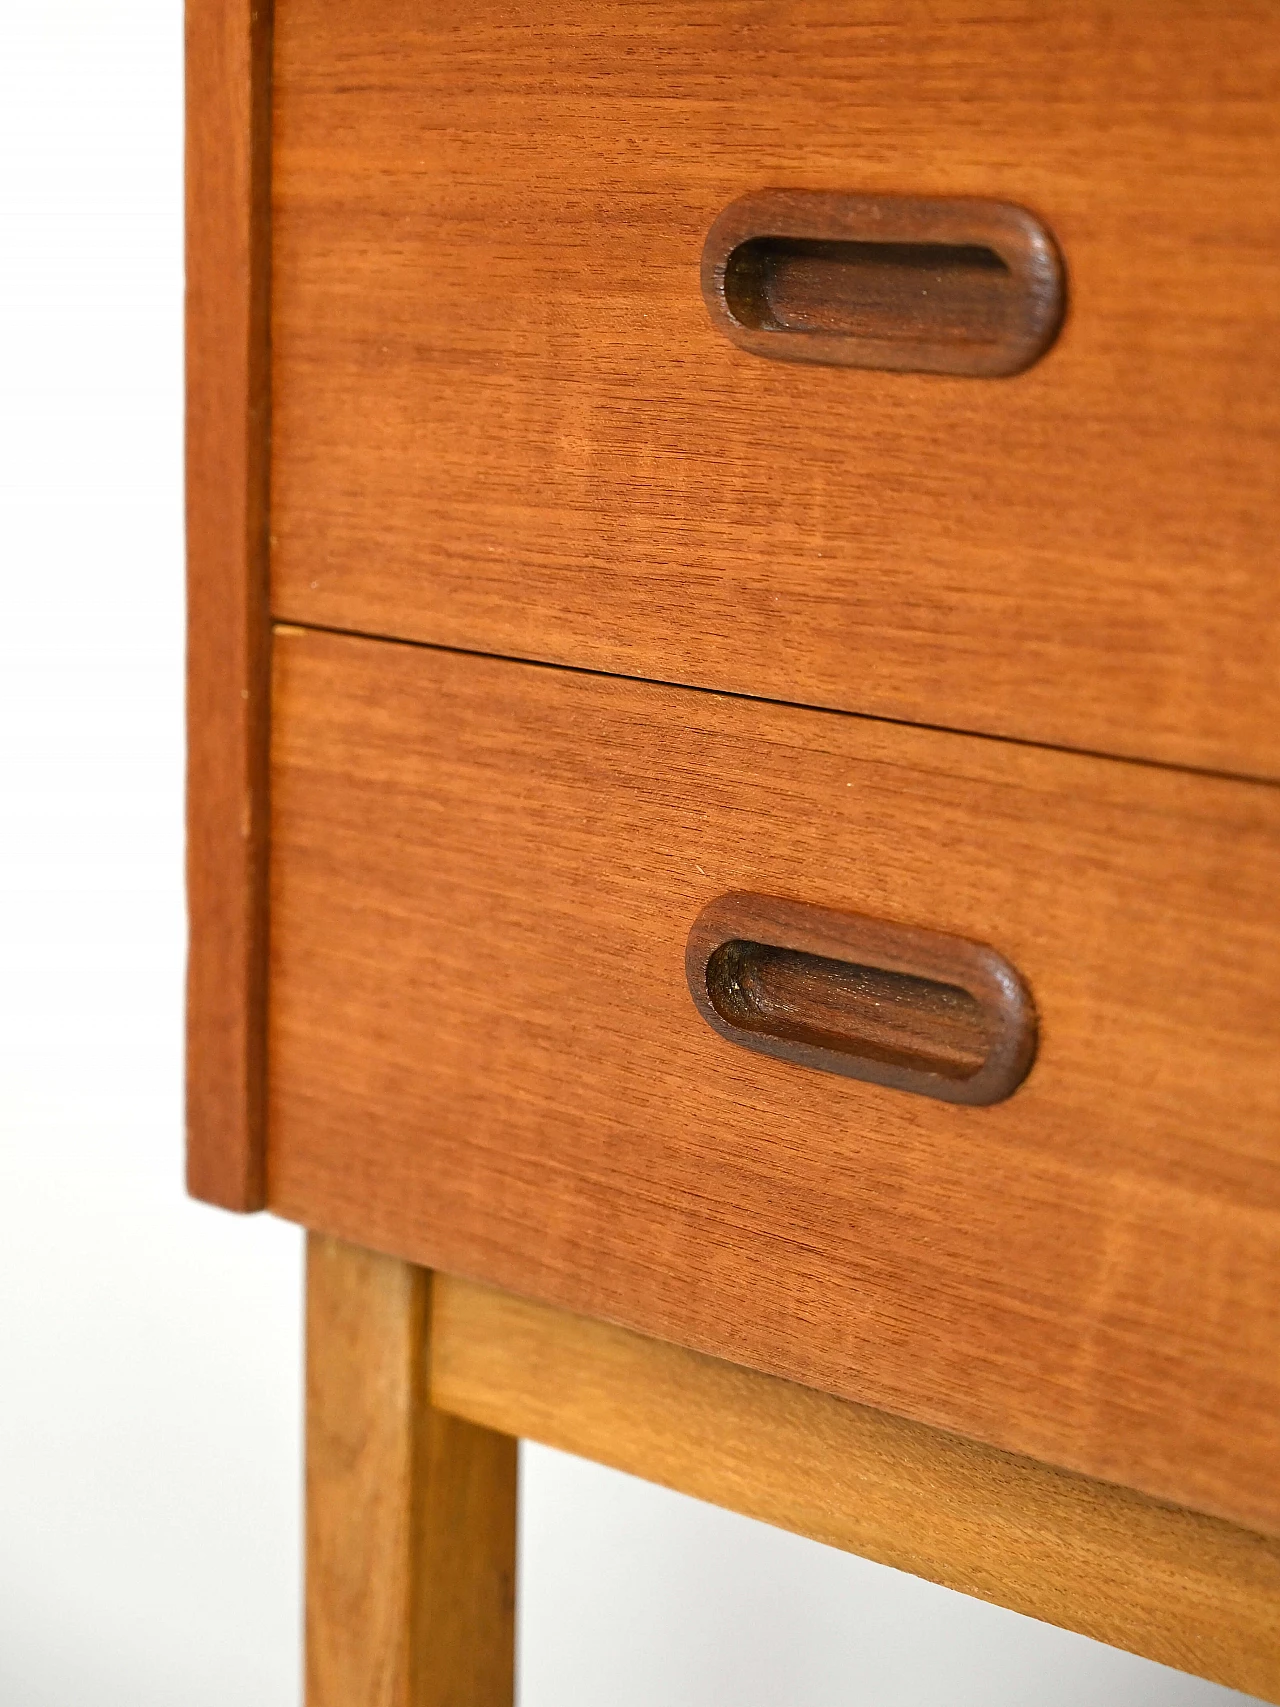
<point x="504" y="421"/>
<point x="484" y="1056"/>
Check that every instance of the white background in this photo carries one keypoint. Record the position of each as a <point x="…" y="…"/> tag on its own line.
<point x="149" y="1348"/>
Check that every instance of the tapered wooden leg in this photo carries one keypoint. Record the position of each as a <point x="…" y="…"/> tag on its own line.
<point x="411" y="1514"/>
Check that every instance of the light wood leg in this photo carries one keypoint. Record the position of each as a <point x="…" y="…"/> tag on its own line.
<point x="411" y="1514"/>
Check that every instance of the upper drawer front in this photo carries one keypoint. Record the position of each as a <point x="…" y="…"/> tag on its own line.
<point x="484" y="1055"/>
<point x="504" y="420"/>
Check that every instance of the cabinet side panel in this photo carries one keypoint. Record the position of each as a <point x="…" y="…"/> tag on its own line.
<point x="228" y="51"/>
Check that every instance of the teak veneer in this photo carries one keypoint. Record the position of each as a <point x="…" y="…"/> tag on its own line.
<point x="228" y="239"/>
<point x="485" y="1057"/>
<point x="505" y="420"/>
<point x="477" y="307"/>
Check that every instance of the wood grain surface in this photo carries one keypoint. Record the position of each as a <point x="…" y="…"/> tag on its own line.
<point x="411" y="1513"/>
<point x="485" y="1057"/>
<point x="506" y="422"/>
<point x="1166" y="1583"/>
<point x="228" y="70"/>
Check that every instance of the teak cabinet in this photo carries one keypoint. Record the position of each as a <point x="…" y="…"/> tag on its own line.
<point x="734" y="828"/>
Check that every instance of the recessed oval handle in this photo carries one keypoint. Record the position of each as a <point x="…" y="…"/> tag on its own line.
<point x="914" y="1009"/>
<point x="956" y="285"/>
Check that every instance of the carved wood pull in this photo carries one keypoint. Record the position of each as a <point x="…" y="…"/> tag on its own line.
<point x="914" y="1009"/>
<point x="957" y="285"/>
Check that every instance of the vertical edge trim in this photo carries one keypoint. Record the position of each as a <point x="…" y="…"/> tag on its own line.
<point x="228" y="196"/>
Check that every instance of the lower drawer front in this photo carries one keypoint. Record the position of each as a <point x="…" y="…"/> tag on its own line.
<point x="485" y="1057"/>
